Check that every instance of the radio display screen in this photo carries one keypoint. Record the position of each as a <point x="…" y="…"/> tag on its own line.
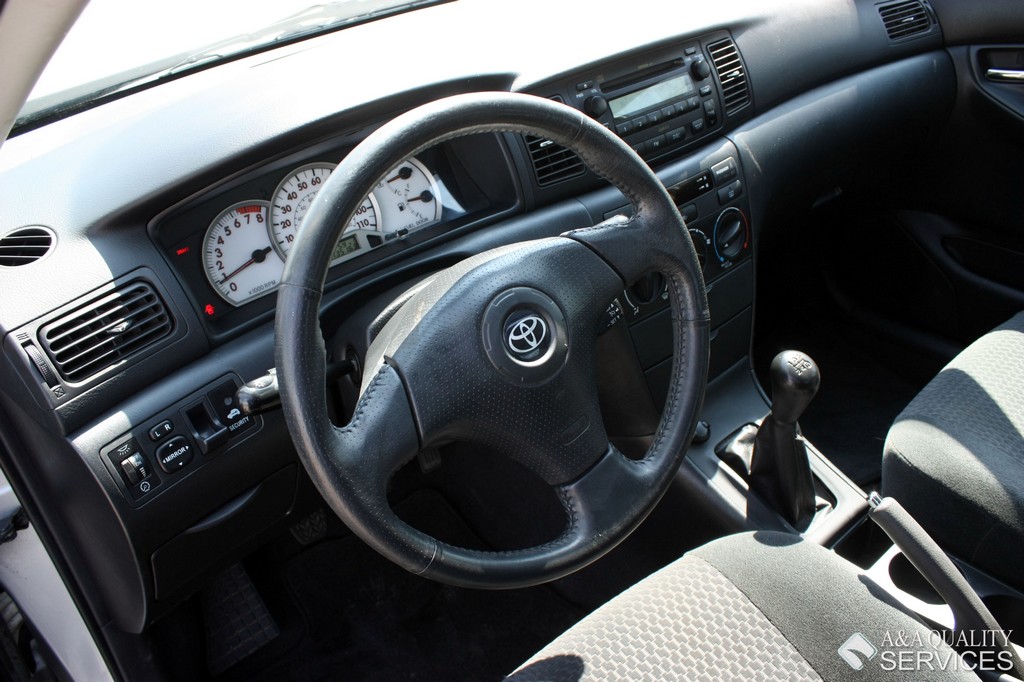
<point x="659" y="93"/>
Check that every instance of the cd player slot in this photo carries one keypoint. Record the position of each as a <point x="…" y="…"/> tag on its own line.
<point x="657" y="71"/>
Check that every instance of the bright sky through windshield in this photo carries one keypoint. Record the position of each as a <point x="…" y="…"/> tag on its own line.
<point x="112" y="36"/>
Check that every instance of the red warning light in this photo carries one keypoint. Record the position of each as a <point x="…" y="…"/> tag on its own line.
<point x="182" y="251"/>
<point x="209" y="309"/>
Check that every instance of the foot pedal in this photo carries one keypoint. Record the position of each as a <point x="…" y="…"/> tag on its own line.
<point x="311" y="529"/>
<point x="237" y="621"/>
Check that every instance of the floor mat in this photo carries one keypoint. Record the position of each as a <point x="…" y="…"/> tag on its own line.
<point x="367" y="619"/>
<point x="860" y="394"/>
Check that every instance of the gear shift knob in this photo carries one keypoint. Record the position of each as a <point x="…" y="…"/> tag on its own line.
<point x="795" y="380"/>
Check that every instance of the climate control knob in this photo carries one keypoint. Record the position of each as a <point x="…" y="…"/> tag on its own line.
<point x="732" y="234"/>
<point x="700" y="245"/>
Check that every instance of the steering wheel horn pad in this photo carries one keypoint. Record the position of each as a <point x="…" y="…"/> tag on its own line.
<point x="498" y="351"/>
<point x="524" y="335"/>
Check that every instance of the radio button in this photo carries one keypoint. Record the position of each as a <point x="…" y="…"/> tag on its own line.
<point x="697" y="126"/>
<point x="705" y="90"/>
<point x="677" y="135"/>
<point x="585" y="85"/>
<point x="640" y="122"/>
<point x="624" y="129"/>
<point x="655" y="143"/>
<point x="681" y="107"/>
<point x="709" y="112"/>
<point x="700" y="69"/>
<point x="692" y="103"/>
<point x="690" y="51"/>
<point x="654" y="118"/>
<point x="595" y="105"/>
<point x="668" y="112"/>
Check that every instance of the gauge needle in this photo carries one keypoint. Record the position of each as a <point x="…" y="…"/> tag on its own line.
<point x="404" y="173"/>
<point x="258" y="256"/>
<point x="425" y="197"/>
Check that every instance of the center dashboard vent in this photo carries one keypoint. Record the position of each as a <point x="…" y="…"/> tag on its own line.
<point x="106" y="330"/>
<point x="552" y="162"/>
<point x="731" y="74"/>
<point x="905" y="19"/>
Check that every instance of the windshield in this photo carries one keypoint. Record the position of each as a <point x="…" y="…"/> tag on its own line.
<point x="118" y="45"/>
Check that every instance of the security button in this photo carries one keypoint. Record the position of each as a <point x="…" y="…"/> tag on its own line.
<point x="175" y="454"/>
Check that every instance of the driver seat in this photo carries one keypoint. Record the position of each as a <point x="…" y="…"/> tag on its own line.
<point x="753" y="606"/>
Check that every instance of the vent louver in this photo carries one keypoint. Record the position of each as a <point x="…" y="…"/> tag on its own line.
<point x="731" y="74"/>
<point x="25" y="245"/>
<point x="106" y="331"/>
<point x="905" y="19"/>
<point x="552" y="162"/>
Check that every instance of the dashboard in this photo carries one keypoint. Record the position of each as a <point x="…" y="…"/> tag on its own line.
<point x="154" y="298"/>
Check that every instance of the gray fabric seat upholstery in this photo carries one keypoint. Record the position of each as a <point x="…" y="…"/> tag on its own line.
<point x="754" y="606"/>
<point x="955" y="456"/>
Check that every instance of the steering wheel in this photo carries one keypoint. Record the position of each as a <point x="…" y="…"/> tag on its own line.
<point x="498" y="351"/>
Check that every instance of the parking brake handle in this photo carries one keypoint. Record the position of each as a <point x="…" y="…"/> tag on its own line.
<point x="969" y="612"/>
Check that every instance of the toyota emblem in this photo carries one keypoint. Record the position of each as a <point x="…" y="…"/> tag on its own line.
<point x="526" y="335"/>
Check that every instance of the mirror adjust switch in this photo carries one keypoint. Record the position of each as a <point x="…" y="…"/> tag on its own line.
<point x="175" y="454"/>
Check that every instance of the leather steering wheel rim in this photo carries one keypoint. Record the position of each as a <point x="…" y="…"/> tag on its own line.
<point x="547" y="418"/>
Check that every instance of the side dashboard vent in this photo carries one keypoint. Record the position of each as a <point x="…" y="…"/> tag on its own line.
<point x="905" y="19"/>
<point x="552" y="162"/>
<point x="25" y="245"/>
<point x="731" y="74"/>
<point x="106" y="331"/>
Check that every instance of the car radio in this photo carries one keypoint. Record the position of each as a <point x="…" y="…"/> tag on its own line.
<point x="654" y="106"/>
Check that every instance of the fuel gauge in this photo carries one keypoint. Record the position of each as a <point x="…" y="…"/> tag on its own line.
<point x="407" y="198"/>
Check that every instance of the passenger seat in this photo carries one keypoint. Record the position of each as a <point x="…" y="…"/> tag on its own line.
<point x="955" y="456"/>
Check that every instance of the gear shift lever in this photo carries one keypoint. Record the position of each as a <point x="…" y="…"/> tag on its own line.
<point x="779" y="469"/>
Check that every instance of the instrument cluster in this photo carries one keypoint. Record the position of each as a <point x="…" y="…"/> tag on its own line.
<point x="245" y="247"/>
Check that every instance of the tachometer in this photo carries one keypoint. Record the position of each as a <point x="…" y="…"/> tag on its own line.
<point x="292" y="200"/>
<point x="239" y="260"/>
<point x="408" y="198"/>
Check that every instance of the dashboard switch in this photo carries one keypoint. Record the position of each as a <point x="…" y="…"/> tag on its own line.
<point x="227" y="409"/>
<point x="730" y="192"/>
<point x="174" y="455"/>
<point x="724" y="171"/>
<point x="161" y="430"/>
<point x="134" y="469"/>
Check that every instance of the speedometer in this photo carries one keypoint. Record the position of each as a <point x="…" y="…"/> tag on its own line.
<point x="295" y="195"/>
<point x="239" y="261"/>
